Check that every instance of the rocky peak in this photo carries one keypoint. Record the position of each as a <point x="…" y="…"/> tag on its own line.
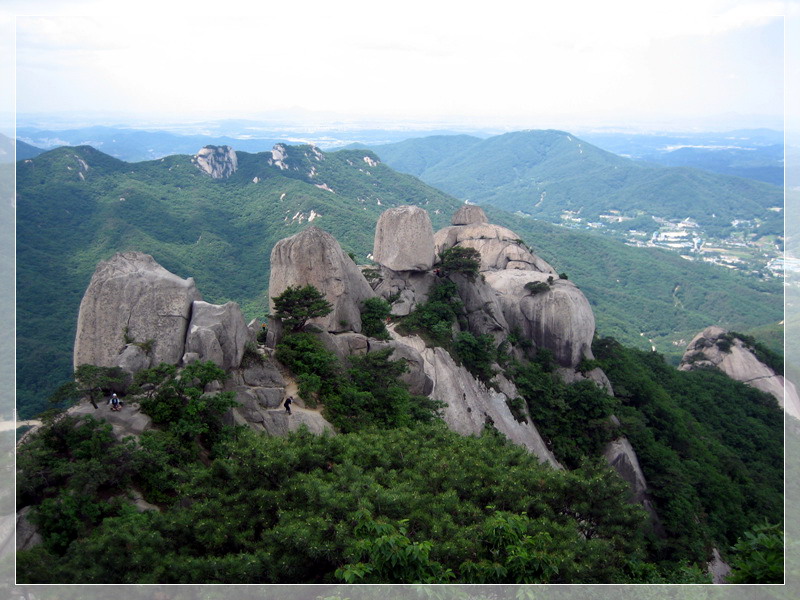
<point x="279" y="156"/>
<point x="404" y="239"/>
<point x="314" y="257"/>
<point x="218" y="161"/>
<point x="469" y="214"/>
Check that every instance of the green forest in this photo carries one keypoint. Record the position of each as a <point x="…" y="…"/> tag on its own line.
<point x="542" y="173"/>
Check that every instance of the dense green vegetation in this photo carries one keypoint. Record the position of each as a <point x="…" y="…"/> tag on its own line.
<point x="709" y="446"/>
<point x="221" y="233"/>
<point x="396" y="497"/>
<point x="542" y="173"/>
<point x="240" y="507"/>
<point x="368" y="393"/>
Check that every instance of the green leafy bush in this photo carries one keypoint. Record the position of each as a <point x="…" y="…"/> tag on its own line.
<point x="434" y="319"/>
<point x="180" y="405"/>
<point x="373" y="317"/>
<point x="537" y="287"/>
<point x="758" y="556"/>
<point x="477" y="353"/>
<point x="296" y="305"/>
<point x="460" y="259"/>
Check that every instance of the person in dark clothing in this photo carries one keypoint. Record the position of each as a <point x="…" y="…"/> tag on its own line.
<point x="288" y="405"/>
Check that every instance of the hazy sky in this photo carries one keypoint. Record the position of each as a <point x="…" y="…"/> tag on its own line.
<point x="482" y="64"/>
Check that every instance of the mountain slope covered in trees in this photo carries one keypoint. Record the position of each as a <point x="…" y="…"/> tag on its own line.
<point x="77" y="206"/>
<point x="544" y="173"/>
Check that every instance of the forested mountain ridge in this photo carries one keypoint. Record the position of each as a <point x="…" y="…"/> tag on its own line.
<point x="77" y="206"/>
<point x="395" y="496"/>
<point x="549" y="174"/>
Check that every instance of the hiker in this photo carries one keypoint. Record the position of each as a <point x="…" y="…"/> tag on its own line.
<point x="114" y="402"/>
<point x="287" y="405"/>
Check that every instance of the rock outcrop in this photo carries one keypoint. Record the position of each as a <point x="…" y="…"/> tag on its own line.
<point x="219" y="162"/>
<point x="28" y="534"/>
<point x="558" y="318"/>
<point x="131" y="298"/>
<point x="622" y="457"/>
<point x="314" y="257"/>
<point x="714" y="347"/>
<point x="404" y="239"/>
<point x="500" y="248"/>
<point x="469" y="214"/>
<point x="470" y="404"/>
<point x="482" y="307"/>
<point x="217" y="333"/>
<point x="408" y="288"/>
<point x="130" y="421"/>
<point x="717" y="568"/>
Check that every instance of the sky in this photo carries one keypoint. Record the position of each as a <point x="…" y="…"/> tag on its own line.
<point x="691" y="64"/>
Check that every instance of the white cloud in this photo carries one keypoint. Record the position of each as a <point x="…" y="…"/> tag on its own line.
<point x="413" y="59"/>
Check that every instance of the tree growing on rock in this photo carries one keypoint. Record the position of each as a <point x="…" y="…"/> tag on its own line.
<point x="90" y="382"/>
<point x="460" y="259"/>
<point x="297" y="305"/>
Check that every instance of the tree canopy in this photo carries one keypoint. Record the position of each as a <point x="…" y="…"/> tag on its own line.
<point x="296" y="305"/>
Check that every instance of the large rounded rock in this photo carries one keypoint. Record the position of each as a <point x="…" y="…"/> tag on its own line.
<point x="469" y="215"/>
<point x="500" y="248"/>
<point x="133" y="298"/>
<point x="559" y="319"/>
<point x="217" y="332"/>
<point x="404" y="239"/>
<point x="314" y="257"/>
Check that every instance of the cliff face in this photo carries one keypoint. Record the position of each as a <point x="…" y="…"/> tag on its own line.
<point x="220" y="162"/>
<point x="715" y="347"/>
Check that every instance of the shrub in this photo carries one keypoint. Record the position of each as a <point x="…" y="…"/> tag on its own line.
<point x="373" y="316"/>
<point x="296" y="305"/>
<point x="459" y="259"/>
<point x="536" y="287"/>
<point x="251" y="355"/>
<point x="477" y="353"/>
<point x="434" y="319"/>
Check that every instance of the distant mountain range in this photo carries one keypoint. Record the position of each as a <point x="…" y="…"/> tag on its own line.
<point x="752" y="153"/>
<point x="77" y="206"/>
<point x="553" y="174"/>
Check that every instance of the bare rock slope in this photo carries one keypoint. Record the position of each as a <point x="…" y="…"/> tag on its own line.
<point x="715" y="347"/>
